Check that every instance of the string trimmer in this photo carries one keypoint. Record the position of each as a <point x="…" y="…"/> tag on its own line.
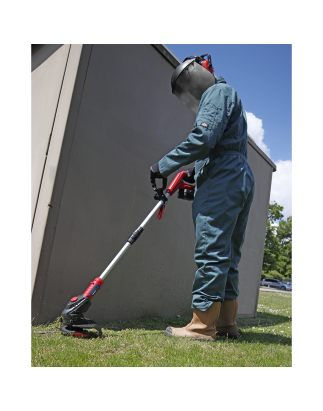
<point x="72" y="316"/>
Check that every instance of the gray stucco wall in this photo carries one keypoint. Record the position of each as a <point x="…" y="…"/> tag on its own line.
<point x="253" y="247"/>
<point x="120" y="122"/>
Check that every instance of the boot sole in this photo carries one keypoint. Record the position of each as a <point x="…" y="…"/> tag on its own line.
<point x="168" y="333"/>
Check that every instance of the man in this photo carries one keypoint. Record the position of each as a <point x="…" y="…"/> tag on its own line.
<point x="224" y="192"/>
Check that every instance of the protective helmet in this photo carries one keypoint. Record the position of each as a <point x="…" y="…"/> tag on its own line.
<point x="191" y="78"/>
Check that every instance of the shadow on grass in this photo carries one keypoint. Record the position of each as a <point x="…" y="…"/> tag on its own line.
<point x="267" y="337"/>
<point x="264" y="338"/>
<point x="160" y="324"/>
<point x="273" y="319"/>
<point x="149" y="324"/>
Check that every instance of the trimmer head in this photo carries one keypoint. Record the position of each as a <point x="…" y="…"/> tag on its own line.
<point x="80" y="328"/>
<point x="73" y="321"/>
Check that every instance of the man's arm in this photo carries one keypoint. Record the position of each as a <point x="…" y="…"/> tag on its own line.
<point x="210" y="124"/>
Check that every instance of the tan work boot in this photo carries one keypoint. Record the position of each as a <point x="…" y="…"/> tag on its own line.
<point x="202" y="326"/>
<point x="226" y="324"/>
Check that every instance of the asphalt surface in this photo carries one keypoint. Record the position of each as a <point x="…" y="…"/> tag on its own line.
<point x="274" y="290"/>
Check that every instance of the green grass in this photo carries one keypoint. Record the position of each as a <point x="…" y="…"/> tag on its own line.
<point x="142" y="343"/>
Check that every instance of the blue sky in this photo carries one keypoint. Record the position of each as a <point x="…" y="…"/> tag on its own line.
<point x="262" y="76"/>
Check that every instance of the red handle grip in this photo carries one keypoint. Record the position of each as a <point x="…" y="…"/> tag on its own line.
<point x="178" y="184"/>
<point x="93" y="288"/>
<point x="184" y="186"/>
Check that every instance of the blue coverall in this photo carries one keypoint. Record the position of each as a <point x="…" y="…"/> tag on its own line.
<point x="224" y="191"/>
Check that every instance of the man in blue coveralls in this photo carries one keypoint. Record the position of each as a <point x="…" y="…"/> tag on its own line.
<point x="224" y="192"/>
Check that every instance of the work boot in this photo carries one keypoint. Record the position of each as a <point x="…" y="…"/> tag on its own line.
<point x="226" y="323"/>
<point x="202" y="326"/>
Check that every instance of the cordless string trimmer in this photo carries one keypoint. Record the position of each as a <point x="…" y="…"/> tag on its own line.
<point x="72" y="315"/>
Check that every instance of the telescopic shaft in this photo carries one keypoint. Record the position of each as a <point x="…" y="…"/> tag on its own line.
<point x="134" y="236"/>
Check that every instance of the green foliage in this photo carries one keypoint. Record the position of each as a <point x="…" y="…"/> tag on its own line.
<point x="264" y="275"/>
<point x="284" y="235"/>
<point x="275" y="212"/>
<point x="271" y="249"/>
<point x="284" y="231"/>
<point x="278" y="243"/>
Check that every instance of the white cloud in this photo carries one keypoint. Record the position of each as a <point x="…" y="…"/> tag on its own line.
<point x="256" y="131"/>
<point x="275" y="226"/>
<point x="281" y="186"/>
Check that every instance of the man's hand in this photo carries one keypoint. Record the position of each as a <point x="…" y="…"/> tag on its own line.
<point x="190" y="173"/>
<point x="154" y="172"/>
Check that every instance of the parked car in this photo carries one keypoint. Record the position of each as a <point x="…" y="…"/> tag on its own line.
<point x="272" y="282"/>
<point x="288" y="284"/>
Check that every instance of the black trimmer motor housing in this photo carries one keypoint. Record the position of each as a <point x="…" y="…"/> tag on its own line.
<point x="72" y="316"/>
<point x="185" y="194"/>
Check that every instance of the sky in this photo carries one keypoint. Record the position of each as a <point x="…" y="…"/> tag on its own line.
<point x="262" y="76"/>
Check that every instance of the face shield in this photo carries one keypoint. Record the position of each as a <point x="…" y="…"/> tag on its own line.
<point x="189" y="81"/>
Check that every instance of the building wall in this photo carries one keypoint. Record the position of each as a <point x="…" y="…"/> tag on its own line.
<point x="52" y="89"/>
<point x="253" y="248"/>
<point x="123" y="118"/>
<point x="46" y="83"/>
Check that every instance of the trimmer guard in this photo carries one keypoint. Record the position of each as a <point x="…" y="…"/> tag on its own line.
<point x="81" y="327"/>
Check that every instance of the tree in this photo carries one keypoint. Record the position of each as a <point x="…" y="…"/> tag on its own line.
<point x="278" y="244"/>
<point x="284" y="231"/>
<point x="284" y="235"/>
<point x="275" y="212"/>
<point x="271" y="251"/>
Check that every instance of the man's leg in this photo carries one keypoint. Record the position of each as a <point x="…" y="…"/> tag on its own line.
<point x="237" y="240"/>
<point x="215" y="214"/>
<point x="218" y="201"/>
<point x="211" y="210"/>
<point x="226" y="323"/>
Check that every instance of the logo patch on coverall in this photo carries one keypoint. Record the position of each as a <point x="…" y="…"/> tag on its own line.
<point x="204" y="125"/>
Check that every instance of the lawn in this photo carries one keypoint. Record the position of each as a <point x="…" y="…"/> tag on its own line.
<point x="264" y="342"/>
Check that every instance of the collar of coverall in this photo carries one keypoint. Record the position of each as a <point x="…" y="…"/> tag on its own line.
<point x="219" y="79"/>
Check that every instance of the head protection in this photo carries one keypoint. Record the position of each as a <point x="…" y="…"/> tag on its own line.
<point x="191" y="78"/>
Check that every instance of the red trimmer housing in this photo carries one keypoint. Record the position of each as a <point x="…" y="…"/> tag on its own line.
<point x="185" y="191"/>
<point x="93" y="288"/>
<point x="179" y="184"/>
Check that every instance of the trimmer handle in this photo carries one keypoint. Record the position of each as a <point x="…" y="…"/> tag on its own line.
<point x="153" y="183"/>
<point x="179" y="184"/>
<point x="159" y="192"/>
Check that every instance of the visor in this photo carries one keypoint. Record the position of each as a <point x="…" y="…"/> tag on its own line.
<point x="189" y="81"/>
